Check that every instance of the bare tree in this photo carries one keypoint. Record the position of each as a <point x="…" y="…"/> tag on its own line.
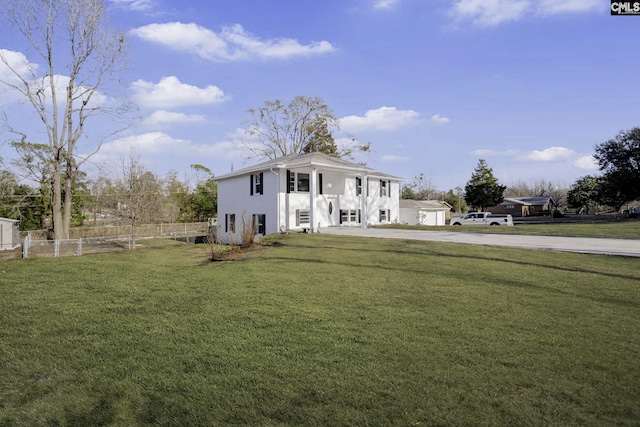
<point x="558" y="193"/>
<point x="303" y="125"/>
<point x="138" y="193"/>
<point x="79" y="54"/>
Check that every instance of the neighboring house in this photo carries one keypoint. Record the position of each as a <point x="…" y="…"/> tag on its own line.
<point x="9" y="235"/>
<point x="305" y="192"/>
<point x="524" y="206"/>
<point x="424" y="212"/>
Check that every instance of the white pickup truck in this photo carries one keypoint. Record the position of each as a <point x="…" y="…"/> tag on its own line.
<point x="483" y="218"/>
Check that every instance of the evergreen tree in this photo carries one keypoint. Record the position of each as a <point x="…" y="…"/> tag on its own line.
<point x="483" y="189"/>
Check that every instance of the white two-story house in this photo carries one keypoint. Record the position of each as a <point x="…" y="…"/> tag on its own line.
<point x="305" y="192"/>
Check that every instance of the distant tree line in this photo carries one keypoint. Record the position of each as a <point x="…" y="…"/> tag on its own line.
<point x="616" y="186"/>
<point x="132" y="195"/>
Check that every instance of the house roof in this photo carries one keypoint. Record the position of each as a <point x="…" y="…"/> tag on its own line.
<point x="424" y="204"/>
<point x="293" y="161"/>
<point x="527" y="201"/>
<point x="9" y="220"/>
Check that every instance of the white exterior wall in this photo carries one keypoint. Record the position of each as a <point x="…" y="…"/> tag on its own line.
<point x="375" y="202"/>
<point x="234" y="198"/>
<point x="9" y="234"/>
<point x="279" y="207"/>
<point x="417" y="216"/>
<point x="410" y="216"/>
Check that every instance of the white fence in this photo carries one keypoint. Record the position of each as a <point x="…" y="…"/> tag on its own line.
<point x="106" y="239"/>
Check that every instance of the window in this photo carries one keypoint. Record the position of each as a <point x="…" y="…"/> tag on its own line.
<point x="383" y="189"/>
<point x="350" y="216"/>
<point x="358" y="186"/>
<point x="259" y="223"/>
<point x="256" y="183"/>
<point x="230" y="223"/>
<point x="384" y="215"/>
<point x="303" y="182"/>
<point x="302" y="216"/>
<point x="510" y="206"/>
<point x="297" y="182"/>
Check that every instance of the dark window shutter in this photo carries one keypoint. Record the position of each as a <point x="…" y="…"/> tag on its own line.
<point x="340" y="216"/>
<point x="288" y="181"/>
<point x="261" y="182"/>
<point x="320" y="183"/>
<point x="226" y="223"/>
<point x="388" y="188"/>
<point x="359" y="216"/>
<point x="251" y="185"/>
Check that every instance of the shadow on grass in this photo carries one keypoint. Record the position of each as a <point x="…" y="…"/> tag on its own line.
<point x="438" y="254"/>
<point x="502" y="282"/>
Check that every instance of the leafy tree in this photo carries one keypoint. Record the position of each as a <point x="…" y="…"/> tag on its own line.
<point x="303" y="125"/>
<point x="585" y="193"/>
<point x="619" y="160"/>
<point x="67" y="36"/>
<point x="19" y="201"/>
<point x="9" y="200"/>
<point x="453" y="200"/>
<point x="204" y="200"/>
<point x="483" y="189"/>
<point x="407" y="192"/>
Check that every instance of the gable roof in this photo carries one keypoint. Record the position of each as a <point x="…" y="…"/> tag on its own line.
<point x="424" y="204"/>
<point x="527" y="201"/>
<point x="293" y="161"/>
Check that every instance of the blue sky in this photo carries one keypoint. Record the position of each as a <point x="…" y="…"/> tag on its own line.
<point x="434" y="85"/>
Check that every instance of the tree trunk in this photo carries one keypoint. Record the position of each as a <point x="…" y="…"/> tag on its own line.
<point x="57" y="203"/>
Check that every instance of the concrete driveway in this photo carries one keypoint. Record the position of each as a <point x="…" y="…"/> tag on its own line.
<point x="621" y="247"/>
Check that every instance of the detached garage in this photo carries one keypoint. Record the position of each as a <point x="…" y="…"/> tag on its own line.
<point x="9" y="236"/>
<point x="424" y="212"/>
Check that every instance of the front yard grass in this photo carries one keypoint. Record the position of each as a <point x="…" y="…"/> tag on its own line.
<point x="321" y="330"/>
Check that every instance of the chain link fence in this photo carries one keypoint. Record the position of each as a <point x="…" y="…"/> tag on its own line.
<point x="91" y="240"/>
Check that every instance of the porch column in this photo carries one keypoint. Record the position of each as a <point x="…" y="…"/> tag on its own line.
<point x="363" y="201"/>
<point x="313" y="227"/>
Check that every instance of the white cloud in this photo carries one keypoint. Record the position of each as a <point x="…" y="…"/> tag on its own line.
<point x="230" y="44"/>
<point x="170" y="92"/>
<point x="385" y="4"/>
<point x="383" y="118"/>
<point x="17" y="62"/>
<point x="137" y="5"/>
<point x="550" y="154"/>
<point x="488" y="13"/>
<point x="553" y="7"/>
<point x="182" y="152"/>
<point x="147" y="143"/>
<point x="436" y="118"/>
<point x="586" y="162"/>
<point x="163" y="118"/>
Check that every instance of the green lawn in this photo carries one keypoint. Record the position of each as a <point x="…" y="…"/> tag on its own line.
<point x="321" y="330"/>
